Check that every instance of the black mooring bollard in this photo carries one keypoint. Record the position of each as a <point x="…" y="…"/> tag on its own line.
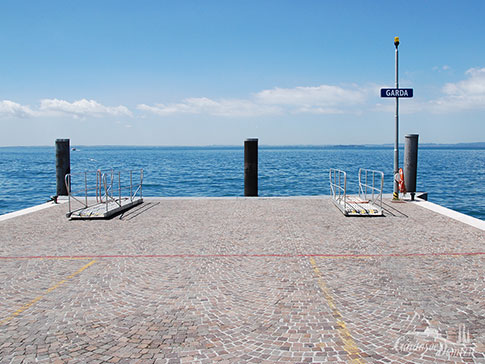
<point x="251" y="167"/>
<point x="410" y="162"/>
<point x="63" y="165"/>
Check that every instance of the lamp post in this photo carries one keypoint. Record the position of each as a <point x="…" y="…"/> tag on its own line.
<point x="395" y="193"/>
<point x="397" y="93"/>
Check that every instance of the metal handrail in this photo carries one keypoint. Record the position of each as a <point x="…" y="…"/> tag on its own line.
<point x="368" y="190"/>
<point x="103" y="189"/>
<point x="369" y="201"/>
<point x="339" y="192"/>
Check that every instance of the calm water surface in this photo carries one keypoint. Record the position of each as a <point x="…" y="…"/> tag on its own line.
<point x="453" y="177"/>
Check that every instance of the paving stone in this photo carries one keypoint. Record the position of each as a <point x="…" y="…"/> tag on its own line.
<point x="242" y="281"/>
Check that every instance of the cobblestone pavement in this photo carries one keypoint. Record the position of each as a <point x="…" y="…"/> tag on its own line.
<point x="287" y="280"/>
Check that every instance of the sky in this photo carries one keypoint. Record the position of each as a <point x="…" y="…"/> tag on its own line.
<point x="218" y="72"/>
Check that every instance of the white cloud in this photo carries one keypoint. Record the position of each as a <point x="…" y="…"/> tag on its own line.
<point x="204" y="105"/>
<point x="54" y="107"/>
<point x="81" y="108"/>
<point x="443" y="68"/>
<point x="475" y="84"/>
<point x="324" y="99"/>
<point x="13" y="109"/>
<point x="467" y="94"/>
<point x="464" y="95"/>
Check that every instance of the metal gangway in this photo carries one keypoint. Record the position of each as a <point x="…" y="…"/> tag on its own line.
<point x="369" y="200"/>
<point x="102" y="194"/>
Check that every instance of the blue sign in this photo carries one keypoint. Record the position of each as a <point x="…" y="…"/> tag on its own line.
<point x="396" y="92"/>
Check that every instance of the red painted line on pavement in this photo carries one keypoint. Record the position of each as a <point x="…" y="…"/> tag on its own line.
<point x="244" y="255"/>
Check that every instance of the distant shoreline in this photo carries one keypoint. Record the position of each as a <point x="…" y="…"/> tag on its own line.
<point x="475" y="145"/>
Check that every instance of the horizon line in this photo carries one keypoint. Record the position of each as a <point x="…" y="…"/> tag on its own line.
<point x="242" y="145"/>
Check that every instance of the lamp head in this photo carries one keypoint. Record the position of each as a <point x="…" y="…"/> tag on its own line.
<point x="396" y="41"/>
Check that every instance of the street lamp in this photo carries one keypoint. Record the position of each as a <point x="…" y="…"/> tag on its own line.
<point x="395" y="193"/>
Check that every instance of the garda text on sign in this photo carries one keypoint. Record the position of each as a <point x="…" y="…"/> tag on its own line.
<point x="396" y="92"/>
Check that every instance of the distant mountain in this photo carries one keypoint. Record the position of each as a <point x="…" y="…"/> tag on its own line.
<point x="476" y="145"/>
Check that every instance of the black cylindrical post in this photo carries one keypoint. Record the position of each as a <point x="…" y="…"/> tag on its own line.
<point x="63" y="165"/>
<point x="251" y="167"/>
<point x="410" y="162"/>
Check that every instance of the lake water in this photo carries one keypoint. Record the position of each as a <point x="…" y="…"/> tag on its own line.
<point x="453" y="177"/>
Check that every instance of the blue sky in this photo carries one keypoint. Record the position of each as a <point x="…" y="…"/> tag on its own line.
<point x="218" y="72"/>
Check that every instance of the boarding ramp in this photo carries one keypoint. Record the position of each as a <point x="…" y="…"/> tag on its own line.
<point x="102" y="194"/>
<point x="369" y="200"/>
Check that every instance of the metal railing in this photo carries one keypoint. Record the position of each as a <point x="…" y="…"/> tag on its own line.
<point x="338" y="186"/>
<point x="97" y="187"/>
<point x="371" y="183"/>
<point x="369" y="201"/>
